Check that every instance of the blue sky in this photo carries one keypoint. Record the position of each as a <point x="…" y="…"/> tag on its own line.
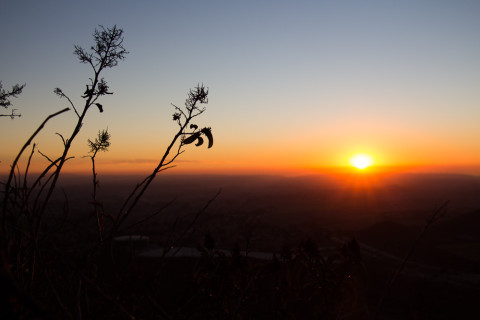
<point x="304" y="83"/>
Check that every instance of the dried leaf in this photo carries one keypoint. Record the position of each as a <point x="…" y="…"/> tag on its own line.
<point x="192" y="138"/>
<point x="208" y="133"/>
<point x="200" y="142"/>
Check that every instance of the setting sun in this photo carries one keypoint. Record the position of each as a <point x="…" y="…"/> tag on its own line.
<point x="361" y="161"/>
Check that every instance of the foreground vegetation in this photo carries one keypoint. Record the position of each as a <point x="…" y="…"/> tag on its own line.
<point x="32" y="262"/>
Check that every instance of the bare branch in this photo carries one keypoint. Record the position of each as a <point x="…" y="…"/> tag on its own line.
<point x="60" y="93"/>
<point x="196" y="217"/>
<point x="63" y="139"/>
<point x="11" y="115"/>
<point x="42" y="175"/>
<point x="46" y="157"/>
<point x="149" y="216"/>
<point x="28" y="167"/>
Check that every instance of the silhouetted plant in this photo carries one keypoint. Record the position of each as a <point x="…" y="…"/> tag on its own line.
<point x="106" y="53"/>
<point x="187" y="133"/>
<point x="5" y="97"/>
<point x="101" y="143"/>
<point x="24" y="206"/>
<point x="31" y="251"/>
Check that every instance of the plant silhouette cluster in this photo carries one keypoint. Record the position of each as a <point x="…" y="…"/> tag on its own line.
<point x="6" y="95"/>
<point x="48" y="270"/>
<point x="101" y="143"/>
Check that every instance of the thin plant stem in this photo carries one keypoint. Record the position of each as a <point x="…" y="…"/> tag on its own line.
<point x="15" y="162"/>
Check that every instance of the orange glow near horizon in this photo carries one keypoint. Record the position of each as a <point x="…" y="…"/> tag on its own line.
<point x="271" y="165"/>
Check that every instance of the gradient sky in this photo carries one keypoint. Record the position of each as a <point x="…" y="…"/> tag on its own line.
<point x="294" y="85"/>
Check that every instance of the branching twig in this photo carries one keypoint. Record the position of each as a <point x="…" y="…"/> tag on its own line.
<point x="46" y="157"/>
<point x="26" y="171"/>
<point x="192" y="223"/>
<point x="148" y="217"/>
<point x="11" y="115"/>
<point x="63" y="139"/>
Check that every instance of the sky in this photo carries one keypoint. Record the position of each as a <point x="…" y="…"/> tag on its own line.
<point x="295" y="86"/>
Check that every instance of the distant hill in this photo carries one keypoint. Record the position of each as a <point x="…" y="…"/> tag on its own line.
<point x="452" y="243"/>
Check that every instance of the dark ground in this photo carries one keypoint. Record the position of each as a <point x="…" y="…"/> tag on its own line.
<point x="385" y="214"/>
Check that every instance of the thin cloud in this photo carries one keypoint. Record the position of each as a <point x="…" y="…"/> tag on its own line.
<point x="144" y="161"/>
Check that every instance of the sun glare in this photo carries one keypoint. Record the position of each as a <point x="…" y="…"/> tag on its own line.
<point x="361" y="161"/>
